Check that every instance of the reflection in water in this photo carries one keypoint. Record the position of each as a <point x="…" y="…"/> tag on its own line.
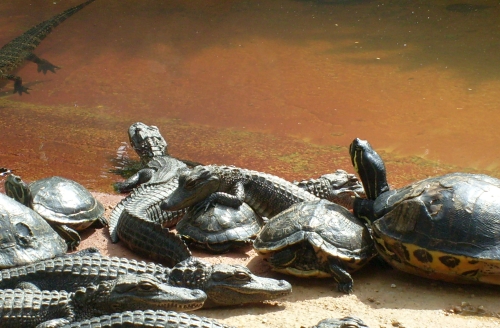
<point x="281" y="86"/>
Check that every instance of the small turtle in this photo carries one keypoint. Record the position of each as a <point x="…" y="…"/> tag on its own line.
<point x="25" y="237"/>
<point x="346" y="322"/>
<point x="220" y="228"/>
<point x="65" y="204"/>
<point x="316" y="239"/>
<point x="446" y="227"/>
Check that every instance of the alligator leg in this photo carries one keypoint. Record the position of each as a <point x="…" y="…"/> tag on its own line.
<point x="142" y="176"/>
<point x="18" y="83"/>
<point x="232" y="200"/>
<point x="43" y="65"/>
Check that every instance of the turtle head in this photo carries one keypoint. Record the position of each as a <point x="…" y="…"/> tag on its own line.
<point x="371" y="170"/>
<point x="194" y="187"/>
<point x="147" y="141"/>
<point x="16" y="188"/>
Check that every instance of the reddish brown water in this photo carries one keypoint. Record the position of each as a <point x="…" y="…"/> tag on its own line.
<point x="279" y="86"/>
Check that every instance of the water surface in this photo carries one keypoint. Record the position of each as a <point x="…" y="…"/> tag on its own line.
<point x="279" y="86"/>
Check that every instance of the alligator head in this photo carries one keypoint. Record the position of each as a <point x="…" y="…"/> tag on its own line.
<point x="135" y="292"/>
<point x="194" y="187"/>
<point x="147" y="141"/>
<point x="225" y="284"/>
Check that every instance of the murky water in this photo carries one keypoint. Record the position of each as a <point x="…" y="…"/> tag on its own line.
<point x="279" y="86"/>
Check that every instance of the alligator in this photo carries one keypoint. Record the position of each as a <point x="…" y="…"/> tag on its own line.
<point x="42" y="308"/>
<point x="205" y="186"/>
<point x="14" y="53"/>
<point x="159" y="166"/>
<point x="149" y="318"/>
<point x="225" y="285"/>
<point x="338" y="187"/>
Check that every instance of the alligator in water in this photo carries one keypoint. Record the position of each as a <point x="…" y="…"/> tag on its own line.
<point x="224" y="284"/>
<point x="14" y="53"/>
<point x="25" y="308"/>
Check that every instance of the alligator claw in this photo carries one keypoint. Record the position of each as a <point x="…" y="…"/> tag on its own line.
<point x="44" y="66"/>
<point x="20" y="88"/>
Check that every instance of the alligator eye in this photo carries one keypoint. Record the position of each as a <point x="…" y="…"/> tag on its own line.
<point x="146" y="286"/>
<point x="240" y="275"/>
<point x="190" y="184"/>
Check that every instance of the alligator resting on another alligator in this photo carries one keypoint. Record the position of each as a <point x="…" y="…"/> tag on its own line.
<point x="224" y="284"/>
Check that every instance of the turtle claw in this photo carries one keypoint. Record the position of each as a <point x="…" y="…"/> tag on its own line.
<point x="345" y="287"/>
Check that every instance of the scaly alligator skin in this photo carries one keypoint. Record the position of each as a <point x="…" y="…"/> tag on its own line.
<point x="152" y="148"/>
<point x="28" y="308"/>
<point x="14" y="53"/>
<point x="138" y="217"/>
<point x="266" y="194"/>
<point x="338" y="187"/>
<point x="225" y="285"/>
<point x="150" y="318"/>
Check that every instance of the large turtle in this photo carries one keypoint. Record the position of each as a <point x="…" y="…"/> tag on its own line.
<point x="25" y="237"/>
<point x="316" y="239"/>
<point x="220" y="228"/>
<point x="446" y="227"/>
<point x="65" y="204"/>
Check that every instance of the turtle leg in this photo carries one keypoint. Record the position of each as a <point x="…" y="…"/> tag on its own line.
<point x="99" y="223"/>
<point x="71" y="236"/>
<point x="283" y="258"/>
<point x="343" y="278"/>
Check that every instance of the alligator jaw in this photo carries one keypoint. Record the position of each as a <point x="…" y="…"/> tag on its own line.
<point x="235" y="284"/>
<point x="143" y="292"/>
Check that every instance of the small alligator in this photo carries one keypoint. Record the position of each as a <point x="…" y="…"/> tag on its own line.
<point x="14" y="53"/>
<point x="224" y="284"/>
<point x="204" y="186"/>
<point x="149" y="318"/>
<point x="25" y="308"/>
<point x="338" y="187"/>
<point x="159" y="166"/>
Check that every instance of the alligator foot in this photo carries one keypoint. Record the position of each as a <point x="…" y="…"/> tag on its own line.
<point x="19" y="87"/>
<point x="44" y="66"/>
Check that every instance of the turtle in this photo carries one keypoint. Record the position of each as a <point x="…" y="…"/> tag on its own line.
<point x="65" y="204"/>
<point x="220" y="228"/>
<point x="445" y="227"/>
<point x="316" y="239"/>
<point x="25" y="237"/>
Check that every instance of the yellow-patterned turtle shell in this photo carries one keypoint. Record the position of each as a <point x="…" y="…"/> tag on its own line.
<point x="316" y="239"/>
<point x="445" y="228"/>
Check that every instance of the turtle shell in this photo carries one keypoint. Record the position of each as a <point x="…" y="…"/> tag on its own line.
<point x="64" y="201"/>
<point x="330" y="229"/>
<point x="25" y="237"/>
<point x="220" y="228"/>
<point x="446" y="227"/>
